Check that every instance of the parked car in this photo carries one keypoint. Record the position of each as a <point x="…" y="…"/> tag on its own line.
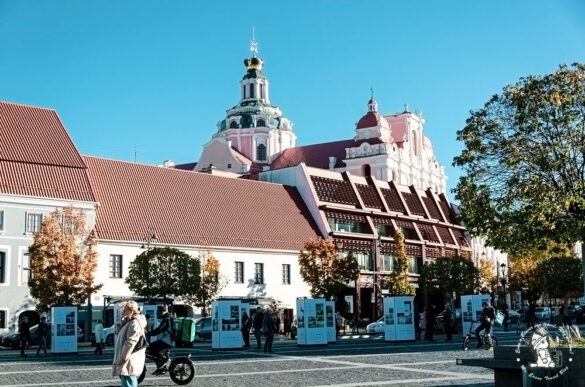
<point x="376" y="327"/>
<point x="12" y="340"/>
<point x="542" y="313"/>
<point x="109" y="334"/>
<point x="203" y="328"/>
<point x="573" y="310"/>
<point x="514" y="317"/>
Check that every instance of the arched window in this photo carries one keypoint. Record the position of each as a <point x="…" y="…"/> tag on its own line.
<point x="233" y="124"/>
<point x="260" y="123"/>
<point x="261" y="91"/>
<point x="366" y="170"/>
<point x="243" y="91"/>
<point x="251" y="90"/>
<point x="261" y="152"/>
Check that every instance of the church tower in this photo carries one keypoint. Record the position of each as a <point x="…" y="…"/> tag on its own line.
<point x="254" y="132"/>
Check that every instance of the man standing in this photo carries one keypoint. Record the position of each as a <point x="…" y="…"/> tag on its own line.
<point x="258" y="321"/>
<point x="448" y="322"/>
<point x="98" y="332"/>
<point x="246" y="324"/>
<point x="269" y="327"/>
<point x="43" y="330"/>
<point x="24" y="335"/>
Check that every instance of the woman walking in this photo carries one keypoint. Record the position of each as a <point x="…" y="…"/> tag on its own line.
<point x="128" y="362"/>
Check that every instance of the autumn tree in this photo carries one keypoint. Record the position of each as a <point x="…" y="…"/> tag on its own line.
<point x="212" y="282"/>
<point x="448" y="275"/>
<point x="524" y="163"/>
<point x="326" y="270"/>
<point x="487" y="278"/>
<point x="164" y="272"/>
<point x="398" y="282"/>
<point x="63" y="260"/>
<point x="561" y="277"/>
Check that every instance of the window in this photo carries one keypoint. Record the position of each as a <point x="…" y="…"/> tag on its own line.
<point x="33" y="222"/>
<point x="260" y="123"/>
<point x="286" y="274"/>
<point x="261" y="152"/>
<point x="251" y="91"/>
<point x="387" y="262"/>
<point x="382" y="230"/>
<point x="233" y="124"/>
<point x="2" y="267"/>
<point x="1" y="220"/>
<point x="259" y="273"/>
<point x="229" y="166"/>
<point x="115" y="266"/>
<point x="243" y="92"/>
<point x="239" y="272"/>
<point x="26" y="273"/>
<point x="344" y="225"/>
<point x="413" y="266"/>
<point x="3" y="319"/>
<point x="365" y="261"/>
<point x="261" y="91"/>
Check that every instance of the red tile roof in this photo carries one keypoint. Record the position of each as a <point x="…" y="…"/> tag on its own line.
<point x="316" y="155"/>
<point x="37" y="156"/>
<point x="190" y="208"/>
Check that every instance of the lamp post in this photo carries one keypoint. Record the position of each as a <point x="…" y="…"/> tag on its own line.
<point x="150" y="237"/>
<point x="376" y="254"/>
<point x="503" y="267"/>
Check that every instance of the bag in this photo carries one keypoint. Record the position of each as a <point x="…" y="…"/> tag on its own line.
<point x="499" y="318"/>
<point x="142" y="342"/>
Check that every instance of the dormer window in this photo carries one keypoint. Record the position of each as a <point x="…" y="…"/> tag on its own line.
<point x="260" y="122"/>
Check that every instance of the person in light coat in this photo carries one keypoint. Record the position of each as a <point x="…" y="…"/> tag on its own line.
<point x="98" y="332"/>
<point x="128" y="364"/>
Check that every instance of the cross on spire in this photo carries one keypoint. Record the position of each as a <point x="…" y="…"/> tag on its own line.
<point x="372" y="92"/>
<point x="253" y="44"/>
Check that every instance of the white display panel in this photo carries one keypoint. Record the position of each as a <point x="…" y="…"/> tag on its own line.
<point x="330" y="321"/>
<point x="389" y="319"/>
<point x="226" y="317"/>
<point x="311" y="328"/>
<point x="471" y="309"/>
<point x="64" y="329"/>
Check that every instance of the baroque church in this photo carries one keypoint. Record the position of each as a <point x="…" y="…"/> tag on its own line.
<point x="255" y="136"/>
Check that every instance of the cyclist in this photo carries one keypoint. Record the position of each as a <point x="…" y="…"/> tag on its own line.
<point x="488" y="316"/>
<point x="160" y="348"/>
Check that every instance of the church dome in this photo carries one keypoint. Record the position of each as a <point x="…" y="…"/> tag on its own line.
<point x="371" y="119"/>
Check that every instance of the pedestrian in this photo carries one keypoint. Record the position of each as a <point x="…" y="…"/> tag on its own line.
<point x="246" y="324"/>
<point x="531" y="315"/>
<point x="43" y="330"/>
<point x="430" y="321"/>
<point x="128" y="364"/>
<point x="506" y="322"/>
<point x="24" y="335"/>
<point x="268" y="327"/>
<point x="98" y="332"/>
<point x="148" y="327"/>
<point x="354" y="324"/>
<point x="258" y="322"/>
<point x="338" y="323"/>
<point x="277" y="324"/>
<point x="448" y="322"/>
<point x="418" y="327"/>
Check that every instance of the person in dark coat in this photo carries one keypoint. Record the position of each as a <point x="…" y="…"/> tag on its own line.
<point x="488" y="316"/>
<point x="268" y="328"/>
<point x="246" y="325"/>
<point x="531" y="315"/>
<point x="430" y="323"/>
<point x="417" y="325"/>
<point x="43" y="330"/>
<point x="257" y="323"/>
<point x="24" y="331"/>
<point x="448" y="322"/>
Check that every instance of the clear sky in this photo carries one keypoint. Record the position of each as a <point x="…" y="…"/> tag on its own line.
<point x="160" y="74"/>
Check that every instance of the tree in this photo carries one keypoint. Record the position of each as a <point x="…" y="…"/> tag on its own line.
<point x="524" y="276"/>
<point x="326" y="270"/>
<point x="561" y="277"/>
<point x="212" y="282"/>
<point x="63" y="260"/>
<point x="524" y="163"/>
<point x="448" y="275"/>
<point x="398" y="283"/>
<point x="487" y="278"/>
<point x="164" y="272"/>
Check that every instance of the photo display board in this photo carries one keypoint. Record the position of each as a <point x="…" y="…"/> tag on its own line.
<point x="311" y="327"/>
<point x="64" y="329"/>
<point x="399" y="318"/>
<point x="330" y="321"/>
<point x="226" y="317"/>
<point x="471" y="310"/>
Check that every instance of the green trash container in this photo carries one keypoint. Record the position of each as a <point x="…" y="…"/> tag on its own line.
<point x="188" y="330"/>
<point x="177" y="325"/>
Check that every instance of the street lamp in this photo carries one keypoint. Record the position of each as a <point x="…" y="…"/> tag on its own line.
<point x="376" y="253"/>
<point x="150" y="237"/>
<point x="503" y="267"/>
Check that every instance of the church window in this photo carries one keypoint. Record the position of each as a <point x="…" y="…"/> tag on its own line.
<point x="261" y="152"/>
<point x="229" y="165"/>
<point x="261" y="91"/>
<point x="233" y="124"/>
<point x="414" y="143"/>
<point x="260" y="123"/>
<point x="366" y="170"/>
<point x="243" y="91"/>
<point x="251" y="90"/>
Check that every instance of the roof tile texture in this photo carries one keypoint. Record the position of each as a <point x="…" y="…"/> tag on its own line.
<point x="190" y="208"/>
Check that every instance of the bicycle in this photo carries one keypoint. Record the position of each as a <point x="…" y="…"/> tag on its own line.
<point x="181" y="369"/>
<point x="488" y="339"/>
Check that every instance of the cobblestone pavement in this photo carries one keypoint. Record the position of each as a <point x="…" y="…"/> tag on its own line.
<point x="352" y="361"/>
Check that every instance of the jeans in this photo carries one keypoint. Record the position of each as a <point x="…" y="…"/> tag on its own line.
<point x="483" y="325"/>
<point x="258" y="334"/>
<point x="129" y="381"/>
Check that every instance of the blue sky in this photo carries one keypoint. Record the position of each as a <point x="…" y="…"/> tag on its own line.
<point x="160" y="74"/>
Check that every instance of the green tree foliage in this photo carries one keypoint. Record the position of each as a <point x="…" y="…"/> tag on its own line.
<point x="164" y="272"/>
<point x="562" y="277"/>
<point x="212" y="282"/>
<point x="63" y="260"/>
<point x="398" y="283"/>
<point x="326" y="270"/>
<point x="447" y="275"/>
<point x="524" y="162"/>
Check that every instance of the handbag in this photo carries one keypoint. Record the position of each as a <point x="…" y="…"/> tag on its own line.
<point x="142" y="342"/>
<point x="499" y="318"/>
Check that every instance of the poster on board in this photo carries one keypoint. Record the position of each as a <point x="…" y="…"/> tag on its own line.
<point x="404" y="308"/>
<point x="226" y="318"/>
<point x="311" y="327"/>
<point x="64" y="329"/>
<point x="389" y="319"/>
<point x="330" y="321"/>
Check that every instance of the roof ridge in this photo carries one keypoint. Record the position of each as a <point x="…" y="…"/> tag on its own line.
<point x="43" y="163"/>
<point x="29" y="106"/>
